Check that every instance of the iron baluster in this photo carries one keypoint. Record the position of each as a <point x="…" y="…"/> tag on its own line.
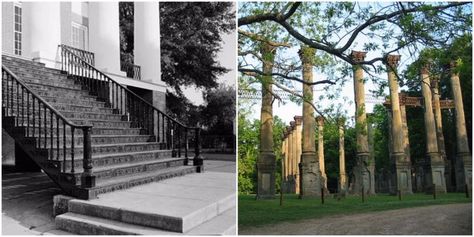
<point x="51" y="129"/>
<point x="72" y="149"/>
<point x="57" y="138"/>
<point x="87" y="179"/>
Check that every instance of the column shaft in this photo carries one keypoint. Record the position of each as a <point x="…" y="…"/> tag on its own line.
<point x="342" y="161"/>
<point x="463" y="155"/>
<point x="322" y="168"/>
<point x="309" y="167"/>
<point x="104" y="36"/>
<point x="435" y="165"/>
<point x="361" y="174"/>
<point x="266" y="161"/>
<point x="402" y="168"/>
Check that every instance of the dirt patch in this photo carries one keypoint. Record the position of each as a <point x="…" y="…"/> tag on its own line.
<point x="452" y="219"/>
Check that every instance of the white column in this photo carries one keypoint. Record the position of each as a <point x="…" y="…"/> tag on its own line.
<point x="42" y="32"/>
<point x="104" y="36"/>
<point x="147" y="40"/>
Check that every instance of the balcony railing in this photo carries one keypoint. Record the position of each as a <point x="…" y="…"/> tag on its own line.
<point x="133" y="71"/>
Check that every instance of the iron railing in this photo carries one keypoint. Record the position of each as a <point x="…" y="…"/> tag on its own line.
<point x="166" y="130"/>
<point x="131" y="70"/>
<point x="51" y="131"/>
<point x="83" y="54"/>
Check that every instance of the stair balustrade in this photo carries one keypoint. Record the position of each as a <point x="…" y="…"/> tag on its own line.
<point x="167" y="131"/>
<point x="39" y="123"/>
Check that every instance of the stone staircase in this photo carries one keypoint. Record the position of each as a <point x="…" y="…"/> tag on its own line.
<point x="122" y="155"/>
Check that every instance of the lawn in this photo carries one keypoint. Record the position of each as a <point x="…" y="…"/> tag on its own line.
<point x="260" y="212"/>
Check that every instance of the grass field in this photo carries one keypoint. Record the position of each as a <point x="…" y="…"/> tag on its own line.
<point x="260" y="212"/>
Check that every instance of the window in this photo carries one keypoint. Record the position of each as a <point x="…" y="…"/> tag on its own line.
<point x="79" y="36"/>
<point x="17" y="30"/>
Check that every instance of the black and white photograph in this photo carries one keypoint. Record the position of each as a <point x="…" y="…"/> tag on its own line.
<point x="118" y="118"/>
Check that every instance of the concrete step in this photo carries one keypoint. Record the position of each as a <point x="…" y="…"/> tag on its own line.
<point x="89" y="225"/>
<point x="103" y="173"/>
<point x="137" y="179"/>
<point x="223" y="224"/>
<point x="180" y="204"/>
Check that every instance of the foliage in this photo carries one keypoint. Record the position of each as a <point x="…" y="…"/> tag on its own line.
<point x="256" y="213"/>
<point x="335" y="29"/>
<point x="126" y="31"/>
<point x="190" y="39"/>
<point x="181" y="108"/>
<point x="218" y="114"/>
<point x="249" y="140"/>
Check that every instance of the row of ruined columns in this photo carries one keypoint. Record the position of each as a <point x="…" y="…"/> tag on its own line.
<point x="304" y="172"/>
<point x="291" y="151"/>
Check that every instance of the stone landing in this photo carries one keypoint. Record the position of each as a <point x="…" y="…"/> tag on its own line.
<point x="196" y="204"/>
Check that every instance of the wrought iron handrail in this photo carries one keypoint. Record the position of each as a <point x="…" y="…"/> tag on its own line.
<point x="141" y="113"/>
<point x="85" y="55"/>
<point x="132" y="70"/>
<point x="11" y="88"/>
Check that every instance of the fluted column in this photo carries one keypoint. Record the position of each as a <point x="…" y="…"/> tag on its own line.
<point x="309" y="167"/>
<point x="322" y="168"/>
<point x="361" y="174"/>
<point x="434" y="170"/>
<point x="266" y="160"/>
<point x="342" y="160"/>
<point x="284" y="154"/>
<point x="463" y="155"/>
<point x="402" y="168"/>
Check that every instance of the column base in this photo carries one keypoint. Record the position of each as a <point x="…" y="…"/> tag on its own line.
<point x="463" y="172"/>
<point x="362" y="179"/>
<point x="310" y="176"/>
<point x="266" y="176"/>
<point x="434" y="174"/>
<point x="402" y="175"/>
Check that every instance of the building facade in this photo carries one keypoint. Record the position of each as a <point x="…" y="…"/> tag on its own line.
<point x="33" y="30"/>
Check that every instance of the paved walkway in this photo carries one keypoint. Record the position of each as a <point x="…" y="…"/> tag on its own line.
<point x="27" y="200"/>
<point x="452" y="219"/>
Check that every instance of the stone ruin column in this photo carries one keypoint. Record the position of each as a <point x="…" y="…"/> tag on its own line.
<point x="291" y="160"/>
<point x="298" y="131"/>
<point x="439" y="131"/>
<point x="320" y="122"/>
<point x="371" y="164"/>
<point x="309" y="167"/>
<point x="284" y="158"/>
<point x="361" y="174"/>
<point x="406" y="140"/>
<point x="342" y="161"/>
<point x="463" y="155"/>
<point x="402" y="167"/>
<point x="266" y="160"/>
<point x="434" y="171"/>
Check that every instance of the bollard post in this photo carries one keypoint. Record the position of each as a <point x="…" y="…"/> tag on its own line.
<point x="363" y="196"/>
<point x="399" y="195"/>
<point x="434" y="192"/>
<point x="466" y="188"/>
<point x="322" y="195"/>
<point x="281" y="196"/>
